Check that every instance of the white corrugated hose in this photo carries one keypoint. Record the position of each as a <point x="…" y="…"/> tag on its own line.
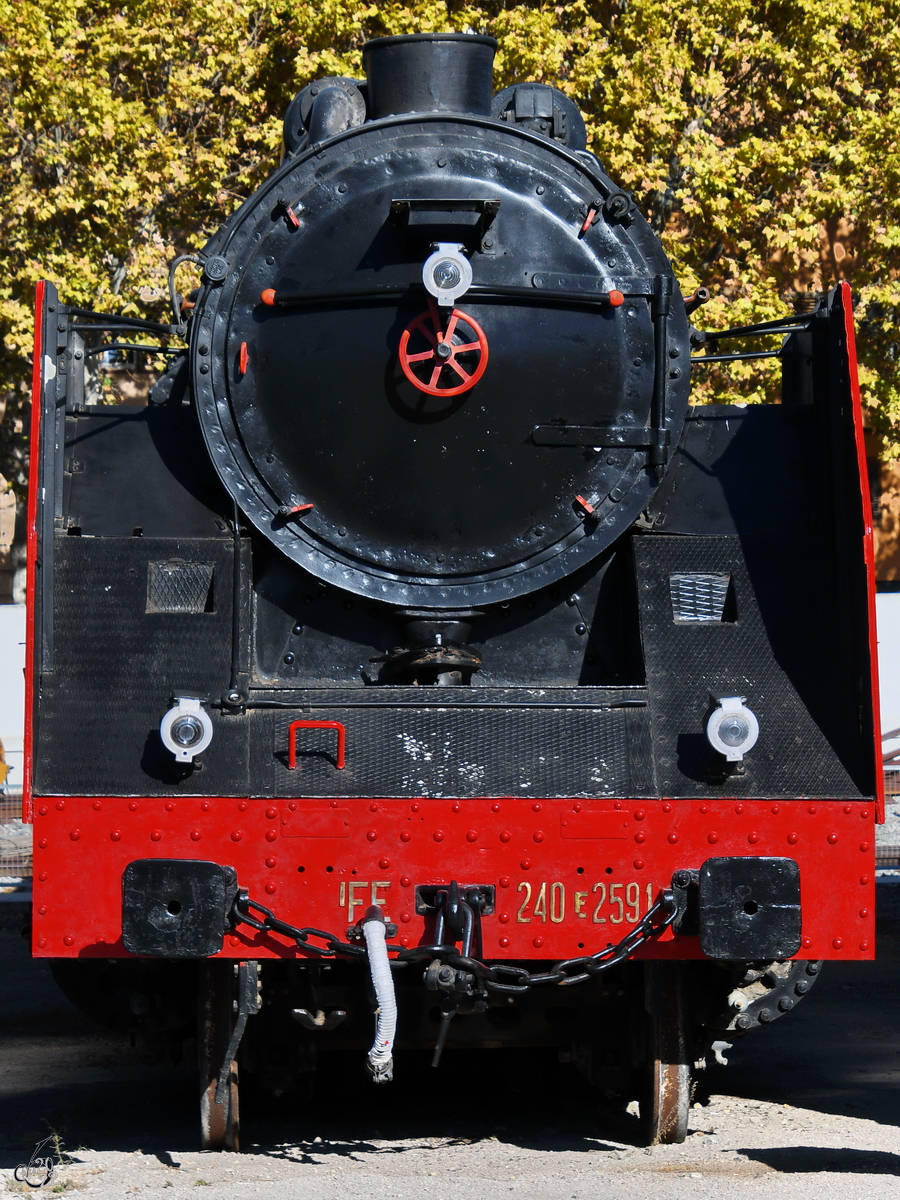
<point x="380" y="1060"/>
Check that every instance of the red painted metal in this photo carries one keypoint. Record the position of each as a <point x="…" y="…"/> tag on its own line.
<point x="37" y="390"/>
<point x="292" y="739"/>
<point x="267" y="295"/>
<point x="436" y="335"/>
<point x="868" y="546"/>
<point x="588" y="222"/>
<point x="556" y="865"/>
<point x="243" y="358"/>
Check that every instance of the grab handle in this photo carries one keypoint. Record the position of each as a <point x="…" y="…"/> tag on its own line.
<point x="292" y="740"/>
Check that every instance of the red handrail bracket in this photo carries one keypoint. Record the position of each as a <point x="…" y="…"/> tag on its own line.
<point x="292" y="740"/>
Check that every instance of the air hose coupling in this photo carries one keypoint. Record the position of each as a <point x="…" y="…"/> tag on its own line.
<point x="380" y="1062"/>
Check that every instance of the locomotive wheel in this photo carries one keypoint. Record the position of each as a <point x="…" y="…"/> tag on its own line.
<point x="219" y="1123"/>
<point x="666" y="1087"/>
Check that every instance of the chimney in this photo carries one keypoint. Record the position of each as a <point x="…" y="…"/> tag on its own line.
<point x="429" y="72"/>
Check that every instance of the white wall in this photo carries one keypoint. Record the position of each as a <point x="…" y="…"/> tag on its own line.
<point x="12" y="690"/>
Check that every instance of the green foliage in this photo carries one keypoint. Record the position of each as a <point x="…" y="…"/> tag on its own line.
<point x="759" y="137"/>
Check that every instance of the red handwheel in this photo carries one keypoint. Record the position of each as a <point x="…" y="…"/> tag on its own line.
<point x="451" y="362"/>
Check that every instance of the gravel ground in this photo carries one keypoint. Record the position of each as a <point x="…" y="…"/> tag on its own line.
<point x="888" y="834"/>
<point x="808" y="1107"/>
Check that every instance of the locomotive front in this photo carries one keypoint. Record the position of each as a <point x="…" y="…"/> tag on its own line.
<point x="462" y="305"/>
<point x="417" y="631"/>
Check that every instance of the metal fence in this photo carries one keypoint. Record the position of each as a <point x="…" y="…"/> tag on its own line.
<point x="15" y="851"/>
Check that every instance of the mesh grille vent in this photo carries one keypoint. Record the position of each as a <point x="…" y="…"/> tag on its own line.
<point x="698" y="597"/>
<point x="177" y="586"/>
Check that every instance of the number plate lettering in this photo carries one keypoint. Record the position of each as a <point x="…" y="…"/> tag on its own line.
<point x="543" y="901"/>
<point x="614" y="903"/>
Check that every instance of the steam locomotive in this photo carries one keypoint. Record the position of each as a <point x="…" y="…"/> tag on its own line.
<point x="419" y="648"/>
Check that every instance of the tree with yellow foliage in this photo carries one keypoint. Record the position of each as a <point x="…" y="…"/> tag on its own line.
<point x="761" y="139"/>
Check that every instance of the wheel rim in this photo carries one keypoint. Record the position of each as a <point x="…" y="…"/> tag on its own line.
<point x="219" y="1123"/>
<point x="666" y="1095"/>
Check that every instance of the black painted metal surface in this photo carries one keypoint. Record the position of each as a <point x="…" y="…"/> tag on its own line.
<point x="803" y="697"/>
<point x="429" y="72"/>
<point x="123" y="651"/>
<point x="118" y="665"/>
<point x="303" y="404"/>
<point x="176" y="908"/>
<point x="461" y="751"/>
<point x="140" y="471"/>
<point x="760" y="466"/>
<point x="749" y="908"/>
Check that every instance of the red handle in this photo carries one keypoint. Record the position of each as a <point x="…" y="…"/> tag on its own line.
<point x="435" y="365"/>
<point x="292" y="740"/>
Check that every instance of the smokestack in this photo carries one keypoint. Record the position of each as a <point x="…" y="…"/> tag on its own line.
<point x="430" y="72"/>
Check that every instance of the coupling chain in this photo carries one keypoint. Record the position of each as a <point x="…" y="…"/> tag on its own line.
<point x="505" y="977"/>
<point x="497" y="977"/>
<point x="241" y="915"/>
